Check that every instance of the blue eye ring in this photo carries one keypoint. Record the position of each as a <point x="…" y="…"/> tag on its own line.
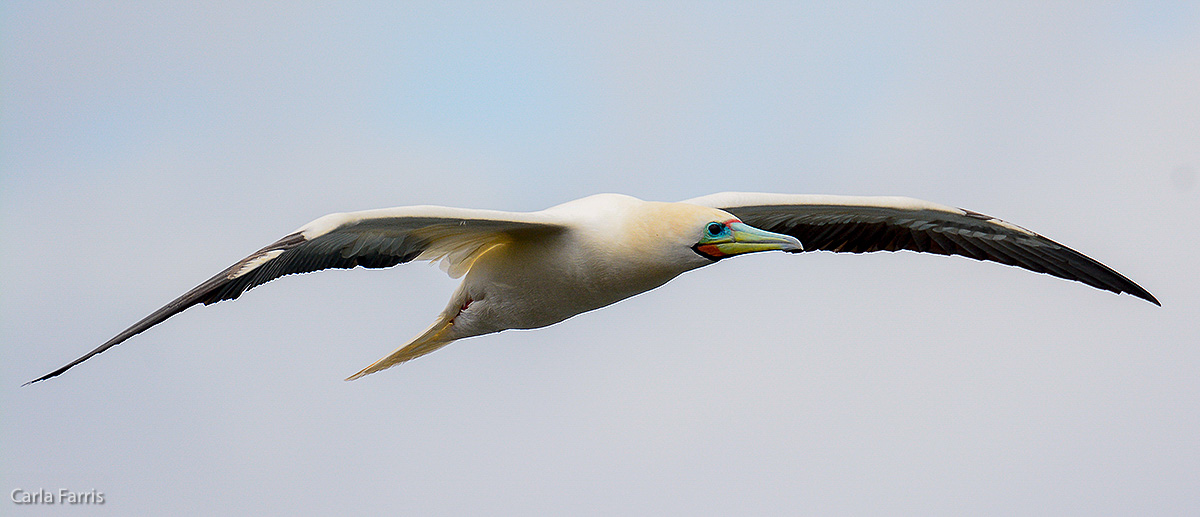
<point x="714" y="229"/>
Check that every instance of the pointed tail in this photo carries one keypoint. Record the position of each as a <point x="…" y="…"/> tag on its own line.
<point x="435" y="337"/>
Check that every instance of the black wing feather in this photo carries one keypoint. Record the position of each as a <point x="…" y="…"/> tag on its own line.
<point x="861" y="229"/>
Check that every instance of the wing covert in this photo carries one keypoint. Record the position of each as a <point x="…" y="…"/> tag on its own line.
<point x="370" y="239"/>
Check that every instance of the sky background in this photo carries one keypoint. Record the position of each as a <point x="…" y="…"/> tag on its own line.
<point x="145" y="147"/>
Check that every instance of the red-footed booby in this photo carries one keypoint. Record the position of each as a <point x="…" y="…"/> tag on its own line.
<point x="530" y="270"/>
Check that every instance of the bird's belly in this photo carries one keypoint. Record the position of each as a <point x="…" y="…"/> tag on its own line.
<point x="538" y="302"/>
<point x="508" y="291"/>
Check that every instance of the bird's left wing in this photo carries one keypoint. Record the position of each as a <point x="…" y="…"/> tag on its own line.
<point x="863" y="224"/>
<point x="371" y="239"/>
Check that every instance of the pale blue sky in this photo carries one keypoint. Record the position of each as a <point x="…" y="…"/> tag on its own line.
<point x="145" y="147"/>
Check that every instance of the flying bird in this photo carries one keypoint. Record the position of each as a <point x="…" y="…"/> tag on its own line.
<point x="530" y="270"/>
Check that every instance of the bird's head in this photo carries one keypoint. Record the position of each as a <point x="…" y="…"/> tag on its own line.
<point x="661" y="240"/>
<point x="727" y="237"/>
<point x="690" y="236"/>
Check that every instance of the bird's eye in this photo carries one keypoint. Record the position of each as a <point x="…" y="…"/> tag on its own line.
<point x="715" y="228"/>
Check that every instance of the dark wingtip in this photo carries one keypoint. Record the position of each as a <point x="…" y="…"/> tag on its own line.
<point x="54" y="373"/>
<point x="1135" y="290"/>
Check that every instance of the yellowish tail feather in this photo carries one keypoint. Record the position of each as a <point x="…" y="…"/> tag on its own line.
<point x="432" y="339"/>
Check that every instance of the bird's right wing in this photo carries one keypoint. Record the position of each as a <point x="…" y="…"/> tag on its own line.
<point x="859" y="224"/>
<point x="371" y="239"/>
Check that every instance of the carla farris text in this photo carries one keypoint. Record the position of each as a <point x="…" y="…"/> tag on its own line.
<point x="62" y="496"/>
